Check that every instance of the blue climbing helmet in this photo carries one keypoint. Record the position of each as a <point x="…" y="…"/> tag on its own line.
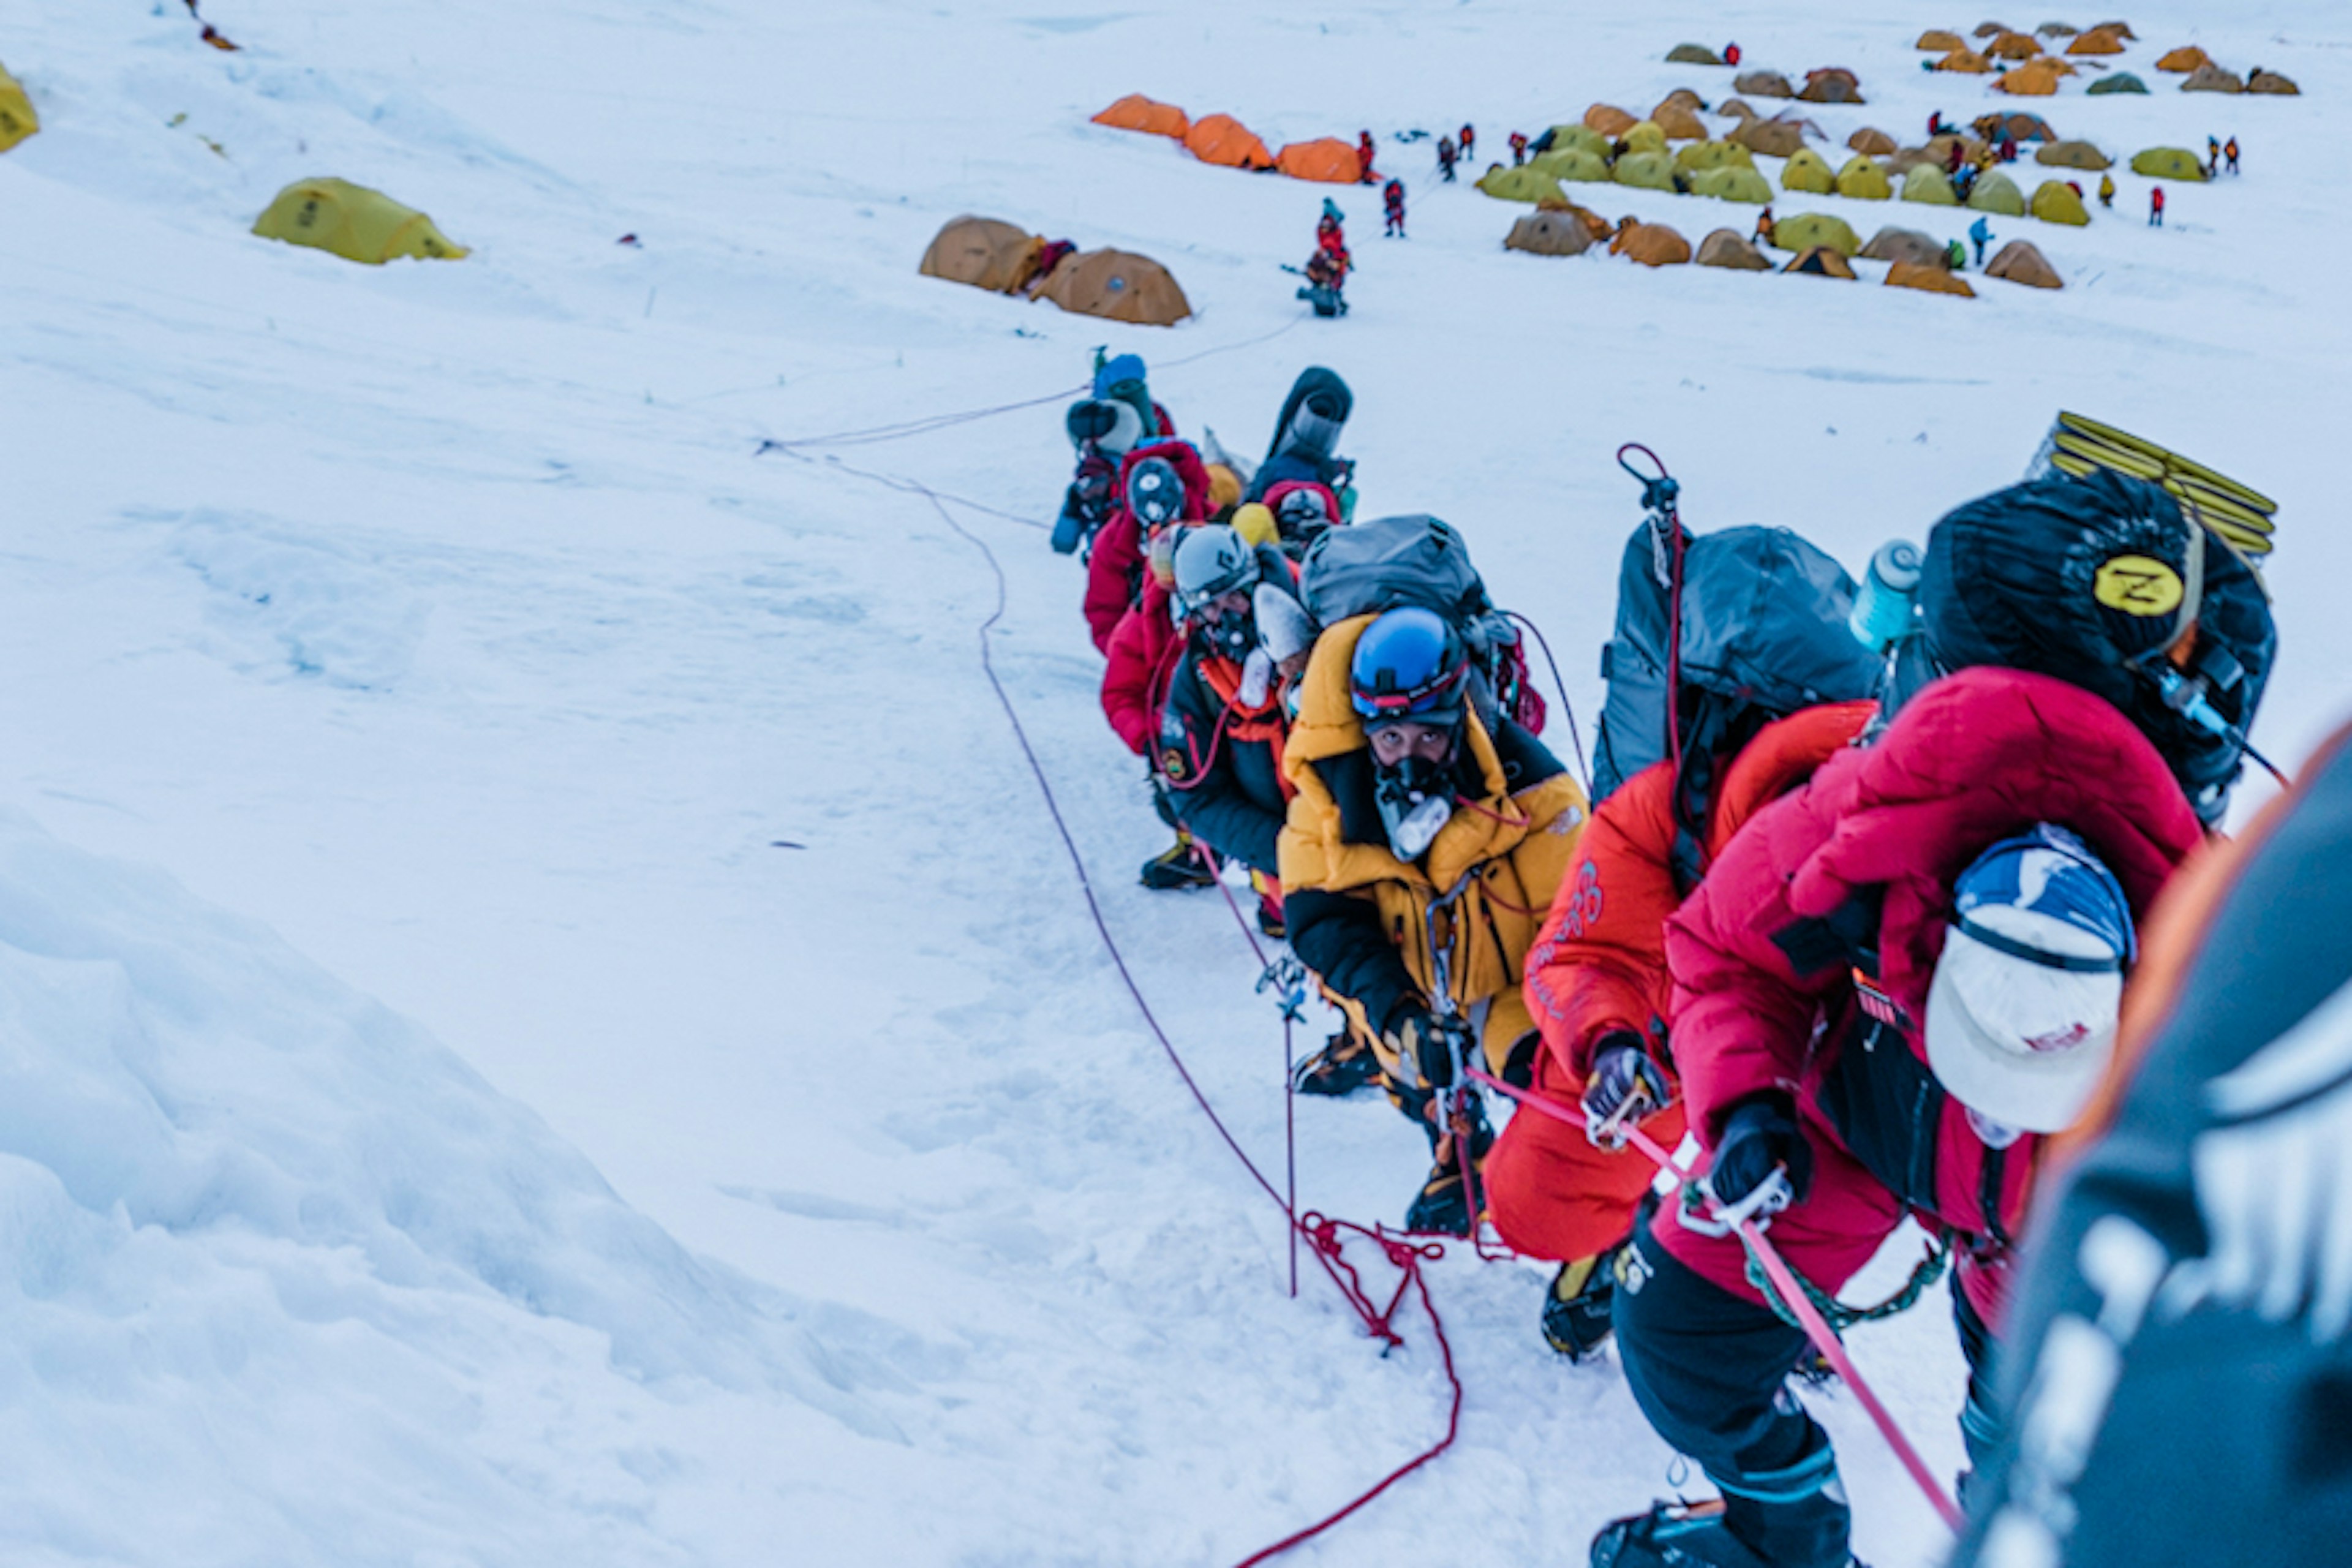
<point x="1410" y="664"/>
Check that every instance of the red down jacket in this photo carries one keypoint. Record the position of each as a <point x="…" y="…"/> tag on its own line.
<point x="1143" y="654"/>
<point x="1114" y="571"/>
<point x="1854" y="873"/>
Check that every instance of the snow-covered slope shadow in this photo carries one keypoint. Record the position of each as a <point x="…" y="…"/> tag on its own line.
<point x="276" y="1266"/>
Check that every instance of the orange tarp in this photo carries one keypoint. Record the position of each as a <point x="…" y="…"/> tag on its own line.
<point x="1327" y="159"/>
<point x="1221" y="139"/>
<point x="1137" y="112"/>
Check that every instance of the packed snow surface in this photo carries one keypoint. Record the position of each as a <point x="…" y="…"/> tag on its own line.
<point x="660" y="1097"/>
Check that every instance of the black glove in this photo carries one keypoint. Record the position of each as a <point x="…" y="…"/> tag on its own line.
<point x="1427" y="1043"/>
<point x="1622" y="1070"/>
<point x="1758" y="1135"/>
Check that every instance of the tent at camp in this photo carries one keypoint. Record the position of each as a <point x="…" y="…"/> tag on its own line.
<point x="1524" y="184"/>
<point x="1995" y="192"/>
<point x="1608" y="119"/>
<point x="1905" y="244"/>
<point x="1773" y="138"/>
<point x="1644" y="136"/>
<point x="1693" y="55"/>
<point x="1878" y="143"/>
<point x="1651" y="244"/>
<point x="984" y="253"/>
<point x="2018" y="262"/>
<point x="1802" y="232"/>
<point x="1550" y="233"/>
<point x="1940" y="41"/>
<point x="17" y="119"/>
<point x="1326" y="159"/>
<point x="1809" y="172"/>
<point x="1729" y="249"/>
<point x="1683" y="97"/>
<point x="2184" y="59"/>
<point x="1735" y="109"/>
<point x="1714" y="155"/>
<point x="1862" y="179"/>
<point x="2014" y="123"/>
<point x="2122" y="81"/>
<point x="1992" y="29"/>
<point x="1831" y="84"/>
<point x="1930" y="280"/>
<point x="1680" y="124"/>
<point x="1763" y="84"/>
<point x="1822" y="261"/>
<point x="1579" y="137"/>
<point x="1569" y="163"/>
<point x="2272" y="82"/>
<point x="1967" y="62"/>
<point x="2168" y="163"/>
<point x="2120" y="29"/>
<point x="1650" y="170"/>
<point x="2072" y="155"/>
<point x="355" y="222"/>
<point x="1732" y="183"/>
<point x="1223" y="141"/>
<point x="1927" y="184"/>
<point x="1137" y="112"/>
<point x="2212" y="79"/>
<point x="1117" y="285"/>
<point x="2035" y="79"/>
<point x="2097" y="41"/>
<point x="2057" y="201"/>
<point x="2055" y="30"/>
<point x="2014" y="47"/>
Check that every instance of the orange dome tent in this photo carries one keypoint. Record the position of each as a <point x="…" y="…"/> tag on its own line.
<point x="2029" y="80"/>
<point x="1221" y="140"/>
<point x="2184" y="59"/>
<point x="1608" y="119"/>
<point x="1327" y="159"/>
<point x="2097" y="41"/>
<point x="1137" y="112"/>
<point x="2014" y="47"/>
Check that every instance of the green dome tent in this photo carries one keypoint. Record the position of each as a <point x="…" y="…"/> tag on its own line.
<point x="2122" y="81"/>
<point x="1714" y="155"/>
<point x="1808" y="171"/>
<point x="1862" y="179"/>
<point x="1995" y="192"/>
<point x="1732" y="183"/>
<point x="1802" y="232"/>
<point x="1571" y="164"/>
<point x="2055" y="201"/>
<point x="1582" y="138"/>
<point x="355" y="222"/>
<point x="2168" y="163"/>
<point x="1521" y="186"/>
<point x="1650" y="170"/>
<point x="1925" y="184"/>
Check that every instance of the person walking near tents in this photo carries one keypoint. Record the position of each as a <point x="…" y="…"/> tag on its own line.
<point x="2213" y="156"/>
<point x="1446" y="159"/>
<point x="1980" y="235"/>
<point x="1731" y="54"/>
<point x="2106" y="190"/>
<point x="1764" y="225"/>
<point x="1965" y="180"/>
<point x="1518" y="149"/>
<point x="1466" y="145"/>
<point x="2156" y="208"/>
<point x="2009" y="149"/>
<point x="1956" y="256"/>
<point x="1365" y="153"/>
<point x="1392" y="208"/>
<point x="2230" y="151"/>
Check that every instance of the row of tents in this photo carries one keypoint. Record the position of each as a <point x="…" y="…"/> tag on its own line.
<point x="1005" y="258"/>
<point x="2034" y="71"/>
<point x="1221" y="140"/>
<point x="1818" y="244"/>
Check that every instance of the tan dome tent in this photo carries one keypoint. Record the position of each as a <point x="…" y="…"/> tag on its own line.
<point x="2057" y="201"/>
<point x="1996" y="193"/>
<point x="2055" y="30"/>
<point x="17" y="119"/>
<point x="2072" y="155"/>
<point x="1863" y="180"/>
<point x="2168" y="163"/>
<point x="1684" y="97"/>
<point x="2122" y="81"/>
<point x="2034" y="79"/>
<point x="2120" y="29"/>
<point x="1568" y="163"/>
<point x="1735" y="109"/>
<point x="1608" y="119"/>
<point x="2011" y="122"/>
<point x="1927" y="279"/>
<point x="1967" y="62"/>
<point x="1939" y="41"/>
<point x="1927" y="185"/>
<point x="2212" y="79"/>
<point x="1993" y="29"/>
<point x="1714" y="155"/>
<point x="2184" y="59"/>
<point x="1550" y="233"/>
<point x="1873" y="141"/>
<point x="353" y="222"/>
<point x="2014" y="47"/>
<point x="1773" y="138"/>
<point x="1524" y="184"/>
<point x="2018" y="262"/>
<point x="1137" y="112"/>
<point x="1763" y="84"/>
<point x="1728" y="248"/>
<point x="1822" y="261"/>
<point x="1808" y="171"/>
<point x="2272" y="82"/>
<point x="2097" y="41"/>
<point x="1649" y="171"/>
<point x="1832" y="84"/>
<point x="1802" y="232"/>
<point x="984" y="253"/>
<point x="1651" y="244"/>
<point x="1679" y="124"/>
<point x="1732" y="183"/>
<point x="1693" y="55"/>
<point x="1644" y="136"/>
<point x="1906" y="245"/>
<point x="1119" y="287"/>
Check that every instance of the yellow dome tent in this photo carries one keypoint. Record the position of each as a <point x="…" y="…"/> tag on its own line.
<point x="1566" y="163"/>
<point x="1808" y="171"/>
<point x="1644" y="136"/>
<point x="1732" y="183"/>
<point x="17" y="119"/>
<point x="1714" y="155"/>
<point x="1927" y="279"/>
<point x="1526" y="184"/>
<point x="2056" y="201"/>
<point x="1650" y="171"/>
<point x="1863" y="180"/>
<point x="355" y="222"/>
<point x="1802" y="232"/>
<point x="1995" y="192"/>
<point x="1928" y="184"/>
<point x="2168" y="163"/>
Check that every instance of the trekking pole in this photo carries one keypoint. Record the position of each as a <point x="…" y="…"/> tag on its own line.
<point x="1458" y="1101"/>
<point x="1791" y="1291"/>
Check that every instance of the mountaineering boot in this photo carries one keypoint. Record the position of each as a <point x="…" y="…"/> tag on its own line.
<point x="1578" y="1307"/>
<point x="1672" y="1535"/>
<point x="1343" y="1066"/>
<point x="1177" y="869"/>
<point x="1442" y="1208"/>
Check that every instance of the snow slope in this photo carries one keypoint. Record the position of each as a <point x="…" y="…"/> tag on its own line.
<point x="440" y="619"/>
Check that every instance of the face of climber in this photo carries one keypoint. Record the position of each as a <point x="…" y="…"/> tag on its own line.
<point x="1392" y="744"/>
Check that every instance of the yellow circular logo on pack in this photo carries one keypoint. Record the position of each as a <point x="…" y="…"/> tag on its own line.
<point x="2139" y="586"/>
